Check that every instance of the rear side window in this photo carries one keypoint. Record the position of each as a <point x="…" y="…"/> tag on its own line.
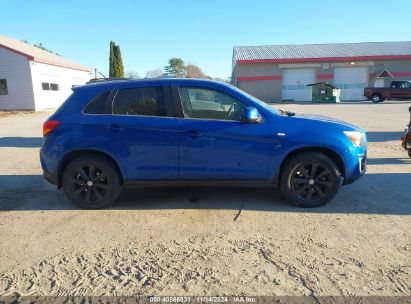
<point x="98" y="104"/>
<point x="149" y="101"/>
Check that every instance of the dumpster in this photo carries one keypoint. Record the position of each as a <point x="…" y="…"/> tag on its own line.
<point x="323" y="92"/>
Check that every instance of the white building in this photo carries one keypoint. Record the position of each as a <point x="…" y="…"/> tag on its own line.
<point x="34" y="79"/>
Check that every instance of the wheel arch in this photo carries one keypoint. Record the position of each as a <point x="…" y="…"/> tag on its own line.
<point x="333" y="155"/>
<point x="89" y="152"/>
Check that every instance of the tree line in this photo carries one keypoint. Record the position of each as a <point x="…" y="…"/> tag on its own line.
<point x="176" y="67"/>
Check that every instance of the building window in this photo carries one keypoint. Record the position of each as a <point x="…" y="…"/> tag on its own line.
<point x="50" y="86"/>
<point x="325" y="66"/>
<point x="54" y="86"/>
<point x="3" y="87"/>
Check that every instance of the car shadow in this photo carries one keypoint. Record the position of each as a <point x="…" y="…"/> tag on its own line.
<point x="21" y="142"/>
<point x="390" y="161"/>
<point x="386" y="193"/>
<point x="377" y="136"/>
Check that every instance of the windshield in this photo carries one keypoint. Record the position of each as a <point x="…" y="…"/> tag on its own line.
<point x="256" y="100"/>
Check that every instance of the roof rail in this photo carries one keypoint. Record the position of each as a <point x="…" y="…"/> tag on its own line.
<point x="105" y="79"/>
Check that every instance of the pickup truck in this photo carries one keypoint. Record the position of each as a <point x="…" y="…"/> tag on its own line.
<point x="399" y="89"/>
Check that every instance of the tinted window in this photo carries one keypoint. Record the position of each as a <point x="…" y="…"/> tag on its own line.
<point x="97" y="105"/>
<point x="148" y="101"/>
<point x="210" y="104"/>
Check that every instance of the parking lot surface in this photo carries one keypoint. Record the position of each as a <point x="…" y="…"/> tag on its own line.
<point x="209" y="241"/>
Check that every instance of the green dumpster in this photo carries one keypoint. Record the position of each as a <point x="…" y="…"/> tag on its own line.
<point x="323" y="92"/>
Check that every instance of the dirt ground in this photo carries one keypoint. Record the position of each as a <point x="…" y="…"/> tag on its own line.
<point x="209" y="241"/>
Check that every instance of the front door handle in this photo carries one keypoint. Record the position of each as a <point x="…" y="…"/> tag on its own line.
<point x="115" y="128"/>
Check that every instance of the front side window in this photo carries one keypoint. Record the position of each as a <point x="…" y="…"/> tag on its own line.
<point x="405" y="85"/>
<point x="149" y="101"/>
<point x="210" y="104"/>
<point x="3" y="87"/>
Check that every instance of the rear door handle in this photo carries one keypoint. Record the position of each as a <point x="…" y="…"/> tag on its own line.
<point x="115" y="128"/>
<point x="192" y="134"/>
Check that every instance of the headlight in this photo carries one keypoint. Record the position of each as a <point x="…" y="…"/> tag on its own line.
<point x="357" y="138"/>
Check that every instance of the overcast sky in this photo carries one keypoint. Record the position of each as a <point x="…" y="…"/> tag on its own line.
<point x="200" y="32"/>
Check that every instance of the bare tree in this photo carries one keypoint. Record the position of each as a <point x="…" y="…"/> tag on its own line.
<point x="156" y="73"/>
<point x="132" y="75"/>
<point x="194" y="71"/>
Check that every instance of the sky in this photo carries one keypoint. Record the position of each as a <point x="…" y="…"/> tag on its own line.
<point x="201" y="32"/>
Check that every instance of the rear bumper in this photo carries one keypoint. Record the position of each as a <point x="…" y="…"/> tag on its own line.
<point x="49" y="162"/>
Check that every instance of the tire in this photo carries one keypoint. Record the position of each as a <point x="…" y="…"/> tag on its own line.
<point x="376" y="98"/>
<point x="84" y="186"/>
<point x="302" y="188"/>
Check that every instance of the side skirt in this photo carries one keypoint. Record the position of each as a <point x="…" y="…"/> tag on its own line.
<point x="200" y="183"/>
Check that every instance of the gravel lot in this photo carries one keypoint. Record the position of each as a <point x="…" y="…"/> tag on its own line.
<point x="209" y="241"/>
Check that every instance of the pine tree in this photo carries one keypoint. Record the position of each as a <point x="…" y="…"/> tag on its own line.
<point x="119" y="63"/>
<point x="112" y="59"/>
<point x="116" y="67"/>
<point x="175" y="67"/>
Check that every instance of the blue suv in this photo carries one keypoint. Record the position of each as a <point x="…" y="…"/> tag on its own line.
<point x="184" y="132"/>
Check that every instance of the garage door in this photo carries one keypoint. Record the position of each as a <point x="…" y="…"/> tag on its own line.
<point x="351" y="81"/>
<point x="295" y="84"/>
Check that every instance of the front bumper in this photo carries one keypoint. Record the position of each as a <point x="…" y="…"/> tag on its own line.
<point x="50" y="178"/>
<point x="357" y="168"/>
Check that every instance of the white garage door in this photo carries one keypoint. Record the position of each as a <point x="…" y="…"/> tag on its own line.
<point x="351" y="81"/>
<point x="295" y="84"/>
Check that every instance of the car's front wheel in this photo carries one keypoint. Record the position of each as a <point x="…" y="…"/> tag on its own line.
<point x="376" y="98"/>
<point x="310" y="180"/>
<point x="91" y="182"/>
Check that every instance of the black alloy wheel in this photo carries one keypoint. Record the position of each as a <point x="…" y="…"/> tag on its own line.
<point x="310" y="179"/>
<point x="91" y="182"/>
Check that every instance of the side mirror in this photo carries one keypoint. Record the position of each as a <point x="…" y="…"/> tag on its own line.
<point x="251" y="115"/>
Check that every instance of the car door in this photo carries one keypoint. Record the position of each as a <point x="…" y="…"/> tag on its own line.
<point x="142" y="132"/>
<point x="214" y="142"/>
<point x="400" y="89"/>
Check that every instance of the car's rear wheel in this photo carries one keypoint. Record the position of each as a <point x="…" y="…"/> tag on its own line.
<point x="309" y="180"/>
<point x="376" y="98"/>
<point x="91" y="182"/>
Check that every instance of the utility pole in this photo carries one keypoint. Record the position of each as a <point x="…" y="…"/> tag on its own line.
<point x="95" y="73"/>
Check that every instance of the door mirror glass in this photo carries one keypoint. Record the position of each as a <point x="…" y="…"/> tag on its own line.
<point x="251" y="115"/>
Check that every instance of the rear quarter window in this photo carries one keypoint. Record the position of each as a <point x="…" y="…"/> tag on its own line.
<point x="98" y="104"/>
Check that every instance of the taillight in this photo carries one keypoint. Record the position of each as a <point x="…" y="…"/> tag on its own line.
<point x="49" y="126"/>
